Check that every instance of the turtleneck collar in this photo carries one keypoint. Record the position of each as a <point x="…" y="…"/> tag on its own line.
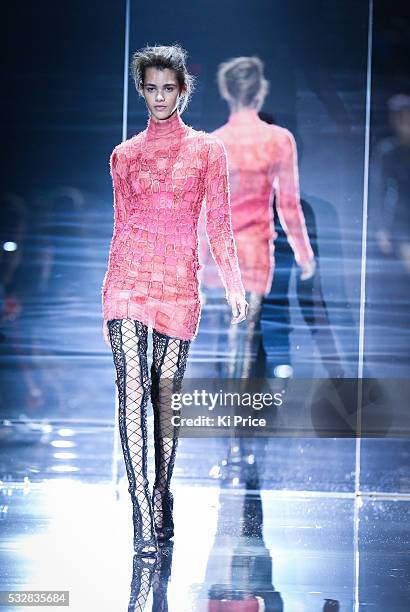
<point x="243" y="116"/>
<point x="165" y="127"/>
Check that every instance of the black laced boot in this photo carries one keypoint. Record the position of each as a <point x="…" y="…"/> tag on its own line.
<point x="129" y="340"/>
<point x="167" y="371"/>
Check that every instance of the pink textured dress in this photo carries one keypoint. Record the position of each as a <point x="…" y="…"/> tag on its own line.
<point x="161" y="177"/>
<point x="262" y="161"/>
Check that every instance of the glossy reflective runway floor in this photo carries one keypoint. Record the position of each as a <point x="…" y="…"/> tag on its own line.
<point x="298" y="524"/>
<point x="280" y="525"/>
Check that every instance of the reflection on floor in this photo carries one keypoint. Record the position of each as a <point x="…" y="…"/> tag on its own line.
<point x="260" y="525"/>
<point x="272" y="524"/>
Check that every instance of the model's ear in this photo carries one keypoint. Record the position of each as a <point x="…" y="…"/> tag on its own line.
<point x="182" y="91"/>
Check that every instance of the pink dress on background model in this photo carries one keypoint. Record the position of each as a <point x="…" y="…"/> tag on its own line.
<point x="262" y="161"/>
<point x="160" y="179"/>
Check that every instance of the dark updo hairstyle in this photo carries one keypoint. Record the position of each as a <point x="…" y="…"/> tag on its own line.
<point x="241" y="80"/>
<point x="162" y="56"/>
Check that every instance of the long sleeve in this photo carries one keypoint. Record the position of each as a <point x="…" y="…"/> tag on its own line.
<point x="121" y="189"/>
<point x="121" y="194"/>
<point x="288" y="201"/>
<point x="218" y="219"/>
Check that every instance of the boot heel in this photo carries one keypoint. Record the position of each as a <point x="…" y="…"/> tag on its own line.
<point x="163" y="504"/>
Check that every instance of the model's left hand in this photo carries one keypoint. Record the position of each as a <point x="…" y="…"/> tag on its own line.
<point x="308" y="269"/>
<point x="239" y="307"/>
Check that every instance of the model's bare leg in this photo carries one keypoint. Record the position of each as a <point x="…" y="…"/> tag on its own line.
<point x="129" y="339"/>
<point x="167" y="371"/>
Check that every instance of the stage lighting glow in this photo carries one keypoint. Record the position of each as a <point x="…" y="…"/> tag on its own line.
<point x="65" y="456"/>
<point x="215" y="471"/>
<point x="63" y="443"/>
<point x="283" y="371"/>
<point x="65" y="431"/>
<point x="64" y="468"/>
<point x="56" y="555"/>
<point x="9" y="246"/>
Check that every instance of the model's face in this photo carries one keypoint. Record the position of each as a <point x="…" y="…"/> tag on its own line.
<point x="161" y="92"/>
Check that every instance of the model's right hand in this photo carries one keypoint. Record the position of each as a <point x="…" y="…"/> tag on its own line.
<point x="106" y="335"/>
<point x="239" y="307"/>
<point x="308" y="269"/>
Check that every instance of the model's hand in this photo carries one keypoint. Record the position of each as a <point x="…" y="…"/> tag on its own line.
<point x="106" y="335"/>
<point x="308" y="269"/>
<point x="239" y="307"/>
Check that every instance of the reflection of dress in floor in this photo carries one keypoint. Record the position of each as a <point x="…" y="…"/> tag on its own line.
<point x="160" y="178"/>
<point x="262" y="162"/>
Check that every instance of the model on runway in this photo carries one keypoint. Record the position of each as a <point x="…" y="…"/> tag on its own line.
<point x="160" y="179"/>
<point x="262" y="163"/>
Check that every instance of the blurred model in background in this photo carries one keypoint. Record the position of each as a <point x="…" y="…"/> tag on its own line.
<point x="262" y="163"/>
<point x="392" y="183"/>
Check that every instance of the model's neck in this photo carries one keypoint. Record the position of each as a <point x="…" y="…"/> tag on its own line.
<point x="158" y="128"/>
<point x="243" y="111"/>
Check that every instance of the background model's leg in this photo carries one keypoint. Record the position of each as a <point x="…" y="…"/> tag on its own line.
<point x="243" y="341"/>
<point x="129" y="340"/>
<point x="251" y="338"/>
<point x="244" y="346"/>
<point x="167" y="371"/>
